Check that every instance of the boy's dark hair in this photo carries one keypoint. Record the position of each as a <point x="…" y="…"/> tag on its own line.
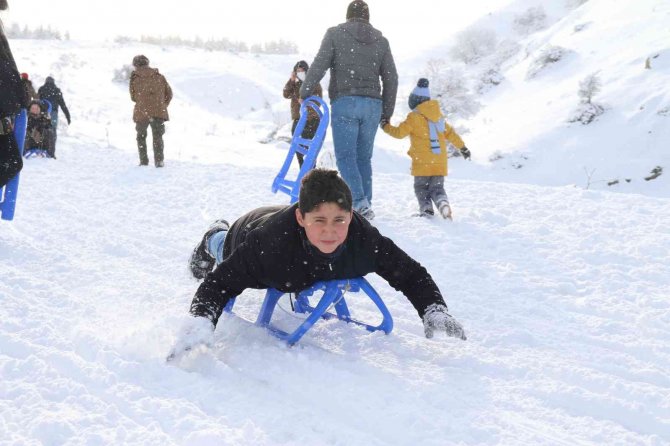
<point x="323" y="186"/>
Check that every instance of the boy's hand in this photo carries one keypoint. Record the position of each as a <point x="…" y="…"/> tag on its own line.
<point x="465" y="152"/>
<point x="195" y="331"/>
<point x="437" y="318"/>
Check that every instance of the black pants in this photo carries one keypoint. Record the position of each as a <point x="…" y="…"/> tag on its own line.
<point x="10" y="158"/>
<point x="308" y="133"/>
<point x="157" y="131"/>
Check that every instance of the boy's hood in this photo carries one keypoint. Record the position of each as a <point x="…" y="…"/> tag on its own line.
<point x="430" y="110"/>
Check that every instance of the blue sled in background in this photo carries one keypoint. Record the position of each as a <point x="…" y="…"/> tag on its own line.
<point x="308" y="147"/>
<point x="9" y="193"/>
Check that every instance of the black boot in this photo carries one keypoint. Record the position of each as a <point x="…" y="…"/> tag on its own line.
<point x="202" y="262"/>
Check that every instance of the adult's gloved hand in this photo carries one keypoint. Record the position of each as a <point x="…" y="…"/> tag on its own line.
<point x="195" y="331"/>
<point x="437" y="318"/>
<point x="465" y="152"/>
<point x="68" y="120"/>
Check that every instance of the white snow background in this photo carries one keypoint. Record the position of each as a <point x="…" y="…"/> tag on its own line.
<point x="562" y="282"/>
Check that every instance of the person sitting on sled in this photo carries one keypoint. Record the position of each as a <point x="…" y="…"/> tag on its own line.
<point x="292" y="247"/>
<point x="39" y="130"/>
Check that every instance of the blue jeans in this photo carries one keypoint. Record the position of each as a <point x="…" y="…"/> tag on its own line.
<point x="215" y="245"/>
<point x="354" y="122"/>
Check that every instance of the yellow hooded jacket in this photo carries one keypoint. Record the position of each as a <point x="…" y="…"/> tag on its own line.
<point x="424" y="161"/>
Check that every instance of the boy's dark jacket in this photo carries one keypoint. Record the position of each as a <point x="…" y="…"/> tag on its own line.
<point x="267" y="248"/>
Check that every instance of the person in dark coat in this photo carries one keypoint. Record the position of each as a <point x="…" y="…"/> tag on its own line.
<point x="28" y="85"/>
<point x="12" y="99"/>
<point x="50" y="92"/>
<point x="151" y="93"/>
<point x="292" y="92"/>
<point x="358" y="57"/>
<point x="292" y="247"/>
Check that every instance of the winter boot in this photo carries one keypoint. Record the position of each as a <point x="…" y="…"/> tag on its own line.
<point x="445" y="210"/>
<point x="367" y="213"/>
<point x="202" y="262"/>
<point x="427" y="213"/>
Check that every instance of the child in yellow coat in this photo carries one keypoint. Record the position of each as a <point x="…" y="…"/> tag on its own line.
<point x="428" y="133"/>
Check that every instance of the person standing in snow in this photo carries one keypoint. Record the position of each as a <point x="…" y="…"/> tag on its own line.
<point x="292" y="92"/>
<point x="428" y="132"/>
<point x="50" y="92"/>
<point x="12" y="99"/>
<point x="151" y="93"/>
<point x="358" y="56"/>
<point x="291" y="247"/>
<point x="28" y="85"/>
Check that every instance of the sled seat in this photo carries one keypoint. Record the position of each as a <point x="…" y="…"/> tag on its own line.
<point x="308" y="147"/>
<point x="333" y="295"/>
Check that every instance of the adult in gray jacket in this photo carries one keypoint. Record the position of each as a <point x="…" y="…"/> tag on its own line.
<point x="358" y="56"/>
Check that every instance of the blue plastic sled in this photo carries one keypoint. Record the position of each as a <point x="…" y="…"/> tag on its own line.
<point x="308" y="147"/>
<point x="9" y="193"/>
<point x="333" y="295"/>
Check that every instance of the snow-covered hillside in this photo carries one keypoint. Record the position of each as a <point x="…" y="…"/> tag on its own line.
<point x="523" y="132"/>
<point x="563" y="291"/>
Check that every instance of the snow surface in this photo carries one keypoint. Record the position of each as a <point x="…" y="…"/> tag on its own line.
<point x="563" y="291"/>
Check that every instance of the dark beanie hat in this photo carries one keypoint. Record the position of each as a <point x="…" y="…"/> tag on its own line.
<point x="140" y="60"/>
<point x="420" y="94"/>
<point x="302" y="64"/>
<point x="358" y="9"/>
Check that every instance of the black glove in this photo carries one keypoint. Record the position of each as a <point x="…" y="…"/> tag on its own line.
<point x="465" y="152"/>
<point x="6" y="126"/>
<point x="68" y="121"/>
<point x="437" y="318"/>
<point x="383" y="122"/>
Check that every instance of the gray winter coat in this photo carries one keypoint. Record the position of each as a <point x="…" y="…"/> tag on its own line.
<point x="357" y="55"/>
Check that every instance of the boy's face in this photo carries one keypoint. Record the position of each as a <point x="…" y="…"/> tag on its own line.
<point x="326" y="226"/>
<point x="35" y="109"/>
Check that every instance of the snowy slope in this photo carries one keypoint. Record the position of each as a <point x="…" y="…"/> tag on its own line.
<point x="562" y="291"/>
<point x="522" y="133"/>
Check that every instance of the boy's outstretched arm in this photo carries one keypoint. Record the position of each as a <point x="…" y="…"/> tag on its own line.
<point x="413" y="280"/>
<point x="235" y="274"/>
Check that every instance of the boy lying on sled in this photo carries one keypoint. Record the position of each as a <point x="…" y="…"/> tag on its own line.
<point x="292" y="247"/>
